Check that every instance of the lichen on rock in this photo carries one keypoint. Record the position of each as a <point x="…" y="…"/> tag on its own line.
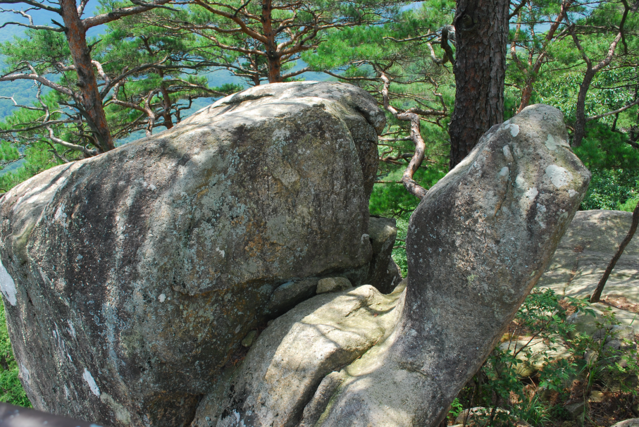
<point x="165" y="253"/>
<point x="477" y="243"/>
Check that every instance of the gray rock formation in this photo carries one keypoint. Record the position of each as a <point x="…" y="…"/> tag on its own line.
<point x="131" y="278"/>
<point x="383" y="274"/>
<point x="295" y="353"/>
<point x="291" y="293"/>
<point x="477" y="244"/>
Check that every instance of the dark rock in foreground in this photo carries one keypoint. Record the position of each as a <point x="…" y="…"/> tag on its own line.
<point x="131" y="278"/>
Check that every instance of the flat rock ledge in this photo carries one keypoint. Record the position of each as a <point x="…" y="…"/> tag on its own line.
<point x="583" y="255"/>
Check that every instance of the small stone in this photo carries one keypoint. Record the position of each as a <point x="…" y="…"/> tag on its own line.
<point x="383" y="272"/>
<point x="289" y="294"/>
<point x="249" y="339"/>
<point x="333" y="284"/>
<point x="576" y="410"/>
<point x="596" y="397"/>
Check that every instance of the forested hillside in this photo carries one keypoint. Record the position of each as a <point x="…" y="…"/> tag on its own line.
<point x="80" y="78"/>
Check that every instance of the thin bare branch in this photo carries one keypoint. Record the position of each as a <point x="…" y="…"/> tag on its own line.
<point x="407" y="178"/>
<point x="69" y="145"/>
<point x="116" y="14"/>
<point x="619" y="110"/>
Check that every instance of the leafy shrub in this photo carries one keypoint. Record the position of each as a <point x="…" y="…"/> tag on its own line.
<point x="611" y="189"/>
<point x="539" y="398"/>
<point x="629" y="205"/>
<point x="11" y="390"/>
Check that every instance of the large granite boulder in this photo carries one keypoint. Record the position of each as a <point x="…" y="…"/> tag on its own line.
<point x="477" y="244"/>
<point x="131" y="278"/>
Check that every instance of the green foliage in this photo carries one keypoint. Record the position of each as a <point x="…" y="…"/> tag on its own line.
<point x="456" y="408"/>
<point x="11" y="390"/>
<point x="629" y="205"/>
<point x="611" y="189"/>
<point x="37" y="159"/>
<point x="604" y="149"/>
<point x="8" y="152"/>
<point x="542" y="316"/>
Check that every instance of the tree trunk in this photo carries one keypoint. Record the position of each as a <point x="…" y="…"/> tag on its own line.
<point x="91" y="99"/>
<point x="526" y="94"/>
<point x="274" y="59"/>
<point x="274" y="68"/>
<point x="481" y="28"/>
<point x="580" y="122"/>
<point x="168" y="121"/>
<point x="166" y="102"/>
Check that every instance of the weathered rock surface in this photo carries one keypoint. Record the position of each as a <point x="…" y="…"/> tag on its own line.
<point x="384" y="273"/>
<point x="131" y="278"/>
<point x="582" y="256"/>
<point x="585" y="251"/>
<point x="477" y="244"/>
<point x="291" y="293"/>
<point x="634" y="422"/>
<point x="291" y="357"/>
<point x="333" y="284"/>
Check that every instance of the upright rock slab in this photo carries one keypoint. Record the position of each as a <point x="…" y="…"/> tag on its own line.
<point x="477" y="244"/>
<point x="131" y="278"/>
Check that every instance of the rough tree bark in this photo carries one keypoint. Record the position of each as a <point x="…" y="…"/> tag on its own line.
<point x="481" y="31"/>
<point x="274" y="59"/>
<point x="81" y="54"/>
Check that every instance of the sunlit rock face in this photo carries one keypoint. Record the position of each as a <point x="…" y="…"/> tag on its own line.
<point x="131" y="278"/>
<point x="477" y="243"/>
